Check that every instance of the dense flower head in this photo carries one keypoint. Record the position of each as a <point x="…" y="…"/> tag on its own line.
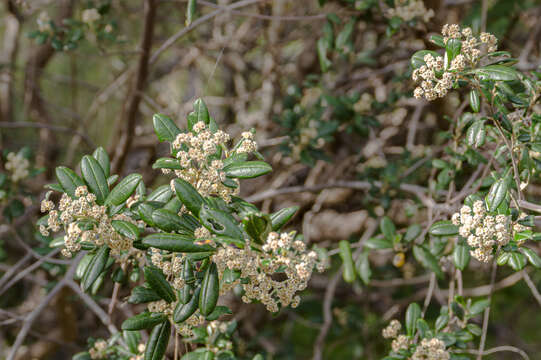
<point x="83" y="220"/>
<point x="431" y="349"/>
<point x="482" y="230"/>
<point x="392" y="330"/>
<point x="437" y="78"/>
<point x="18" y="166"/>
<point x="200" y="166"/>
<point x="281" y="253"/>
<point x="408" y="10"/>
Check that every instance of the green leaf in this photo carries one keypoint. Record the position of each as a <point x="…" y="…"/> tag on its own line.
<point x="82" y="266"/>
<point x="461" y="256"/>
<point x="247" y="169"/>
<point x="452" y="49"/>
<point x="257" y="226"/>
<point x="68" y="179"/>
<point x="210" y="289"/>
<point x="145" y="212"/>
<point x="495" y="72"/>
<point x="103" y="159"/>
<point x="412" y="233"/>
<point x="144" y="320"/>
<point x="442" y="321"/>
<point x="95" y="178"/>
<point x="220" y="222"/>
<point x="190" y="11"/>
<point x="347" y="260"/>
<point x="167" y="163"/>
<point x="474" y="329"/>
<point x="165" y="128"/>
<point x="217" y="312"/>
<point x="387" y="228"/>
<point x="161" y="194"/>
<point x="157" y="343"/>
<point x="156" y="280"/>
<point x="132" y="339"/>
<point x="417" y="59"/>
<point x="189" y="196"/>
<point x="412" y="314"/>
<point x="428" y="260"/>
<point x="142" y="295"/>
<point x="362" y="265"/>
<point x="201" y="111"/>
<point x="517" y="261"/>
<point x="123" y="190"/>
<point x="175" y="243"/>
<point x="497" y="193"/>
<point x="324" y="62"/>
<point x="532" y="256"/>
<point x="479" y="306"/>
<point x="282" y="216"/>
<point x="443" y="228"/>
<point x="476" y="134"/>
<point x="169" y="221"/>
<point x="378" y="244"/>
<point x="503" y="258"/>
<point x="474" y="100"/>
<point x="126" y="229"/>
<point x="423" y="328"/>
<point x="184" y="311"/>
<point x="438" y="40"/>
<point x="95" y="267"/>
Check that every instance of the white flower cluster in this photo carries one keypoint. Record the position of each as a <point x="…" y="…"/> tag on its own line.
<point x="18" y="166"/>
<point x="44" y="22"/>
<point x="433" y="349"/>
<point x="90" y="15"/>
<point x="392" y="330"/>
<point x="435" y="77"/>
<point x="408" y="10"/>
<point x="72" y="213"/>
<point x="401" y="342"/>
<point x="482" y="231"/>
<point x="99" y="350"/>
<point x="196" y="153"/>
<point x="280" y="254"/>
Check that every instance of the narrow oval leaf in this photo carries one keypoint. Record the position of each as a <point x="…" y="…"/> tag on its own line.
<point x="347" y="261"/>
<point x="184" y="311"/>
<point x="517" y="261"/>
<point x="417" y="60"/>
<point x="282" y="216"/>
<point x="165" y="128"/>
<point x="103" y="159"/>
<point x="161" y="194"/>
<point x="144" y="320"/>
<point x="68" y="179"/>
<point x="443" y="228"/>
<point x="95" y="178"/>
<point x="495" y="72"/>
<point x="175" y="243"/>
<point x="220" y="223"/>
<point x="157" y="343"/>
<point x="143" y="295"/>
<point x="95" y="267"/>
<point x="247" y="169"/>
<point x="387" y="228"/>
<point x="532" y="256"/>
<point x="362" y="265"/>
<point x="190" y="11"/>
<point x="474" y="101"/>
<point x="476" y="134"/>
<point x="210" y="289"/>
<point x="123" y="190"/>
<point x="189" y="196"/>
<point x="169" y="221"/>
<point x="461" y="256"/>
<point x="167" y="163"/>
<point x="218" y="311"/>
<point x="412" y="314"/>
<point x="126" y="229"/>
<point x="497" y="193"/>
<point x="428" y="260"/>
<point x="156" y="280"/>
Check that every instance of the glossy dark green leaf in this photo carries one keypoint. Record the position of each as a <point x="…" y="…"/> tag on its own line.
<point x="144" y="320"/>
<point x="476" y="134"/>
<point x="387" y="228"/>
<point x="417" y="60"/>
<point x="479" y="306"/>
<point x="461" y="256"/>
<point x="412" y="314"/>
<point x="132" y="339"/>
<point x="475" y="102"/>
<point x="169" y="221"/>
<point x="165" y="128"/>
<point x="190" y="11"/>
<point x="532" y="256"/>
<point x="145" y="212"/>
<point x="143" y="295"/>
<point x="156" y="280"/>
<point x="126" y="229"/>
<point x="95" y="178"/>
<point x="442" y="321"/>
<point x="201" y="111"/>
<point x="496" y="72"/>
<point x="282" y="216"/>
<point x="517" y="261"/>
<point x="348" y="269"/>
<point x="210" y="289"/>
<point x="412" y="232"/>
<point x="82" y="266"/>
<point x="123" y="190"/>
<point x="497" y="193"/>
<point x="247" y="169"/>
<point x="175" y="243"/>
<point x="157" y="343"/>
<point x="189" y="196"/>
<point x="362" y="265"/>
<point x="378" y="244"/>
<point x="257" y="226"/>
<point x="443" y="228"/>
<point x="167" y="163"/>
<point x="184" y="311"/>
<point x="220" y="223"/>
<point x="452" y="49"/>
<point x="161" y="194"/>
<point x="68" y="179"/>
<point x="95" y="267"/>
<point x="503" y="258"/>
<point x="217" y="312"/>
<point x="103" y="159"/>
<point x="427" y="259"/>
